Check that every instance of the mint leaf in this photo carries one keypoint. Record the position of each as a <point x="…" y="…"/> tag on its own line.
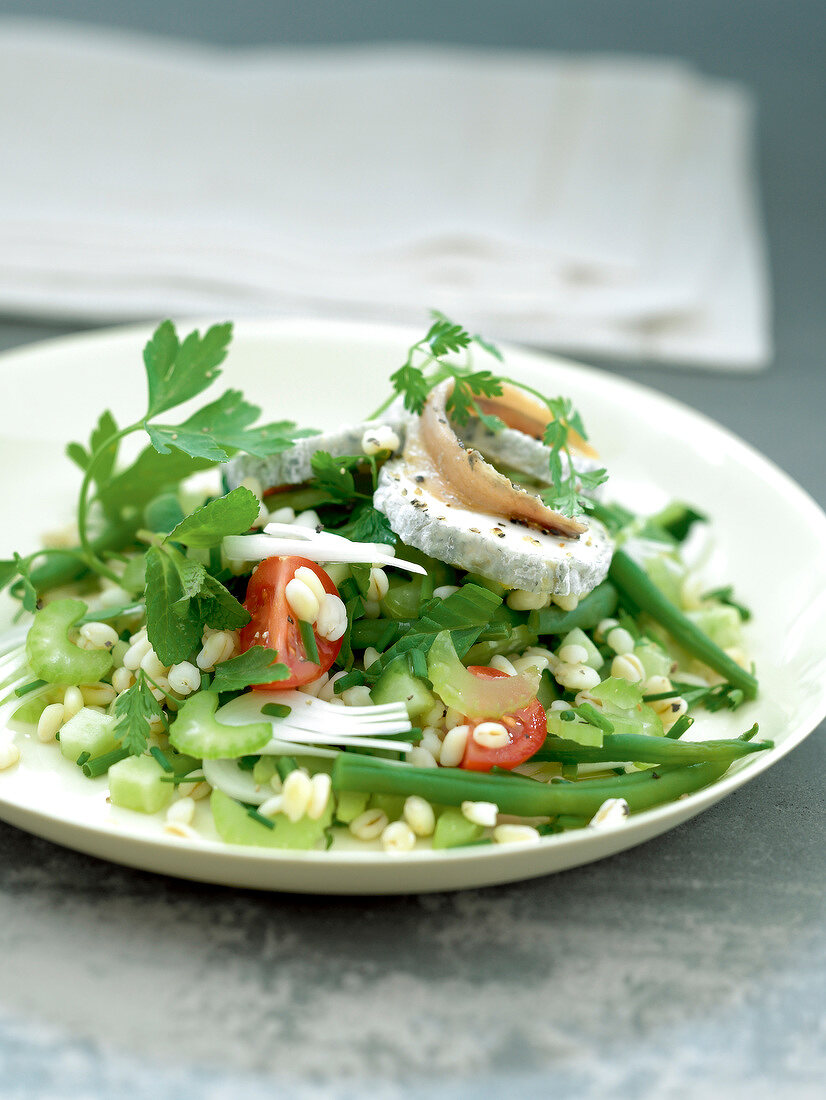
<point x="177" y="371"/>
<point x="256" y="666"/>
<point x="218" y="608"/>
<point x="172" y="632"/>
<point x="232" y="514"/>
<point x="203" y="598"/>
<point x="134" y="710"/>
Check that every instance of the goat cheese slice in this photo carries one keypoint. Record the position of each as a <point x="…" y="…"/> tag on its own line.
<point x="293" y="467"/>
<point x="522" y="452"/>
<point x="511" y="553"/>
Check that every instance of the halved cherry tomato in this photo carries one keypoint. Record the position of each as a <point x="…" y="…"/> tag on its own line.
<point x="528" y="729"/>
<point x="273" y="623"/>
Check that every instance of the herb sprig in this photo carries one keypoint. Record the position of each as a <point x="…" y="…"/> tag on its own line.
<point x="426" y="366"/>
<point x="182" y="595"/>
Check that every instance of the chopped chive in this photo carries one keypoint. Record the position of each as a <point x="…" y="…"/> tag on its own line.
<point x="161" y="758"/>
<point x="354" y="678"/>
<point x="247" y="763"/>
<point x="254" y="814"/>
<point x="284" y="765"/>
<point x="26" y="688"/>
<point x="176" y="779"/>
<point x="276" y="710"/>
<point x="101" y="764"/>
<point x="308" y="641"/>
<point x="683" y="723"/>
<point x="81" y="760"/>
<point x="593" y="717"/>
<point x="749" y="734"/>
<point x="387" y="636"/>
<point x="567" y="716"/>
<point x="418" y="664"/>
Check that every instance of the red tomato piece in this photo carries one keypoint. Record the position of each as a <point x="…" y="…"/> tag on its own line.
<point x="273" y="623"/>
<point x="527" y="727"/>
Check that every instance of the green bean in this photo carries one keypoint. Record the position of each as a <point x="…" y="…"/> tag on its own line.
<point x="524" y="797"/>
<point x="634" y="582"/>
<point x="649" y="750"/>
<point x="596" y="606"/>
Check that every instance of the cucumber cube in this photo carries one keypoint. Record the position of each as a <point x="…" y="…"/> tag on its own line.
<point x="398" y="685"/>
<point x="235" y="826"/>
<point x="655" y="660"/>
<point x="349" y="804"/>
<point x="453" y="829"/>
<point x="89" y="732"/>
<point x="136" y="784"/>
<point x="392" y="804"/>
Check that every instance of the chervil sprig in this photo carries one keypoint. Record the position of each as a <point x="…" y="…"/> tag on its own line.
<point x="426" y="366"/>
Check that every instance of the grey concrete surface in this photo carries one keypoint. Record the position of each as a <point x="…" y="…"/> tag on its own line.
<point x="694" y="966"/>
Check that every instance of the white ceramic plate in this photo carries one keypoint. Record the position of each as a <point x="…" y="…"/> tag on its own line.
<point x="769" y="540"/>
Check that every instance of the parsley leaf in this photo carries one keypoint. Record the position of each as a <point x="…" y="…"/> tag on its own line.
<point x="232" y="514"/>
<point x="368" y="524"/>
<point x="256" y="666"/>
<point x="177" y="371"/>
<point x="29" y="594"/>
<point x="105" y="428"/>
<point x="134" y="710"/>
<point x="147" y="477"/>
<point x="222" y="427"/>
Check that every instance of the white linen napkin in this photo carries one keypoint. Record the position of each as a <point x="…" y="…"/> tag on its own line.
<point x="591" y="203"/>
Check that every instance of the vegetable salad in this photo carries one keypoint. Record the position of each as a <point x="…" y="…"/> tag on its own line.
<point x="428" y="629"/>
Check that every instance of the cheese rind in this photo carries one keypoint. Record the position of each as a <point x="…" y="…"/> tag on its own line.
<point x="293" y="467"/>
<point x="522" y="452"/>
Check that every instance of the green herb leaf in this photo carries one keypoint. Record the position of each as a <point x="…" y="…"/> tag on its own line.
<point x="28" y="593"/>
<point x="444" y="336"/>
<point x="257" y="666"/>
<point x="173" y="634"/>
<point x="464" y="613"/>
<point x="148" y="476"/>
<point x="8" y="571"/>
<point x="410" y="383"/>
<point x="134" y="710"/>
<point x="176" y="371"/>
<point x="334" y="475"/>
<point x="232" y="514"/>
<point x="105" y="428"/>
<point x="191" y="443"/>
<point x="368" y="524"/>
<point x="204" y="599"/>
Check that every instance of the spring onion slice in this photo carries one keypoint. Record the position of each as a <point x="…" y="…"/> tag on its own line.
<point x="281" y="539"/>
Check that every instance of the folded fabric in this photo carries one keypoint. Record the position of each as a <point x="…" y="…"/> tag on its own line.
<point x="592" y="203"/>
